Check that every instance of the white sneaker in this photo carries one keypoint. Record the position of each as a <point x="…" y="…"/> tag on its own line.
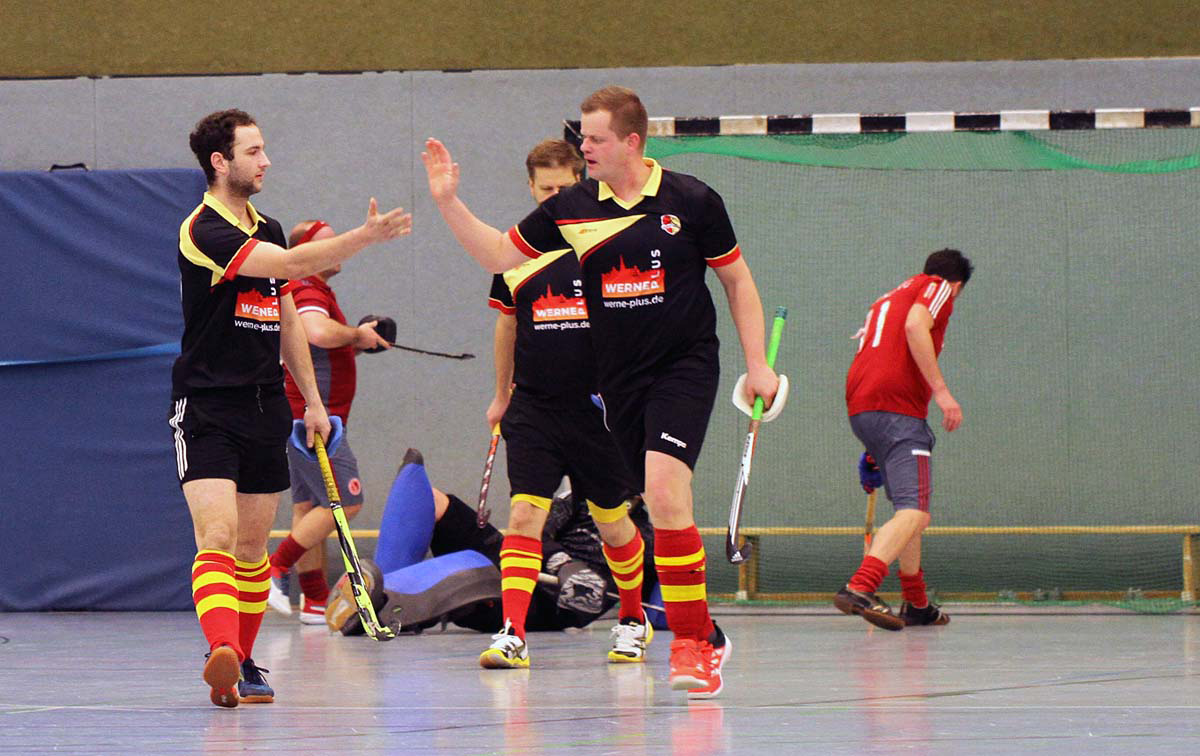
<point x="311" y="613"/>
<point x="507" y="651"/>
<point x="629" y="640"/>
<point x="277" y="595"/>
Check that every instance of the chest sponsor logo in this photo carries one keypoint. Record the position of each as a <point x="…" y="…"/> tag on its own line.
<point x="670" y="224"/>
<point x="551" y="307"/>
<point x="623" y="282"/>
<point x="256" y="310"/>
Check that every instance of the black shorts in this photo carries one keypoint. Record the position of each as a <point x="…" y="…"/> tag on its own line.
<point x="545" y="440"/>
<point x="237" y="434"/>
<point x="670" y="415"/>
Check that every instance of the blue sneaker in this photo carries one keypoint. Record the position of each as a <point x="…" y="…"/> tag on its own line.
<point x="252" y="687"/>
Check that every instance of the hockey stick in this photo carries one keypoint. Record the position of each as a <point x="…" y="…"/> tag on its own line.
<point x="870" y="523"/>
<point x="354" y="573"/>
<point x="735" y="553"/>
<point x="545" y="578"/>
<point x="482" y="513"/>
<point x="460" y="356"/>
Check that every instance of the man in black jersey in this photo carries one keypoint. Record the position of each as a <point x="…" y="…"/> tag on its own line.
<point x="230" y="417"/>
<point x="545" y="376"/>
<point x="644" y="237"/>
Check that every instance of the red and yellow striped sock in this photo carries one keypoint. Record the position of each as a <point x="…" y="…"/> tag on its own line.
<point x="215" y="593"/>
<point x="626" y="563"/>
<point x="253" y="584"/>
<point x="679" y="559"/>
<point x="520" y="562"/>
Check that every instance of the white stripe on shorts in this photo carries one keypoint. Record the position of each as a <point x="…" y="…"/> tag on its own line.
<point x="180" y="444"/>
<point x="920" y="452"/>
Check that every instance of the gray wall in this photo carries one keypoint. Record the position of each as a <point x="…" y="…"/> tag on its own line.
<point x="338" y="139"/>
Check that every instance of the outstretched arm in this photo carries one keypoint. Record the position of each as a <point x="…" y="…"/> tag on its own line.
<point x="272" y="261"/>
<point x="490" y="247"/>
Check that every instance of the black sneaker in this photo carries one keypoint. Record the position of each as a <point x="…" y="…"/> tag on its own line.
<point x="252" y="687"/>
<point x="869" y="606"/>
<point x="926" y="615"/>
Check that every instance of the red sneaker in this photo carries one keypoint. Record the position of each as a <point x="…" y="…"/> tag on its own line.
<point x="688" y="669"/>
<point x="221" y="672"/>
<point x="715" y="652"/>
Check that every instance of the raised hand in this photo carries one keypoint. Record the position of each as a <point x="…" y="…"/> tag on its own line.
<point x="441" y="171"/>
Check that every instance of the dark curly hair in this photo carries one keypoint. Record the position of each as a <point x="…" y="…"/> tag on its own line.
<point x="214" y="133"/>
<point x="949" y="264"/>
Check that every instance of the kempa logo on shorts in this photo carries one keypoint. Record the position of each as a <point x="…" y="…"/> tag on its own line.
<point x="668" y="437"/>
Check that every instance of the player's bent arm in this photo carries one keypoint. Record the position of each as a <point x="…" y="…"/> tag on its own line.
<point x="504" y="344"/>
<point x="293" y="347"/>
<point x="325" y="332"/>
<point x="918" y="327"/>
<point x="745" y="306"/>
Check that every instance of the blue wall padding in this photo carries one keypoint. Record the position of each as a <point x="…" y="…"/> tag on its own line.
<point x="658" y="620"/>
<point x="93" y="517"/>
<point x="421" y="576"/>
<point x="406" y="527"/>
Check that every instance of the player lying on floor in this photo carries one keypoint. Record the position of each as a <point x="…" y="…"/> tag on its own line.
<point x="460" y="583"/>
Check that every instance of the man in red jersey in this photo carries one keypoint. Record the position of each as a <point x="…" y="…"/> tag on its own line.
<point x="333" y="345"/>
<point x="891" y="380"/>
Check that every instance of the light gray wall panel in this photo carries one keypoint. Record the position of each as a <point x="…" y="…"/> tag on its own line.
<point x="46" y="122"/>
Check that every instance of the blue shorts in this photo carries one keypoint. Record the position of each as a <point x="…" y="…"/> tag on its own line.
<point x="902" y="446"/>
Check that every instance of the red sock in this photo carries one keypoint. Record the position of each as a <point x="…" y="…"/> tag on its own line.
<point x="287" y="554"/>
<point x="253" y="582"/>
<point x="912" y="589"/>
<point x="869" y="576"/>
<point x="679" y="560"/>
<point x="215" y="593"/>
<point x="520" y="563"/>
<point x="314" y="586"/>
<point x="626" y="564"/>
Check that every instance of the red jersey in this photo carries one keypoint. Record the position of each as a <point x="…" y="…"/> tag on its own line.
<point x="884" y="376"/>
<point x="334" y="368"/>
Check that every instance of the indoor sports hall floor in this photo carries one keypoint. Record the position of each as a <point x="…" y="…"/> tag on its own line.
<point x="814" y="683"/>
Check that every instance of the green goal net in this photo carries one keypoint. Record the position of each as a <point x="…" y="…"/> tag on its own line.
<point x="1072" y="351"/>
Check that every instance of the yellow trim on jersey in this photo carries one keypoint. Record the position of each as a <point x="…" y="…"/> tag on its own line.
<point x="680" y="593"/>
<point x="605" y="515"/>
<point x="514" y="277"/>
<point x="586" y="235"/>
<point x="211" y="200"/>
<point x="213" y="578"/>
<point x="216" y="601"/>
<point x="541" y="502"/>
<point x="517" y="584"/>
<point x="679" y="561"/>
<point x="649" y="189"/>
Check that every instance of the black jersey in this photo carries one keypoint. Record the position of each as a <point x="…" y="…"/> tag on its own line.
<point x="230" y="322"/>
<point x="553" y="354"/>
<point x="643" y="267"/>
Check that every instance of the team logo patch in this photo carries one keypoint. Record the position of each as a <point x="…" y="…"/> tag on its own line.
<point x="670" y="224"/>
<point x="355" y="487"/>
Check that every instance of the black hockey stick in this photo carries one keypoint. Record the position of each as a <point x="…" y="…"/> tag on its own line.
<point x="459" y="356"/>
